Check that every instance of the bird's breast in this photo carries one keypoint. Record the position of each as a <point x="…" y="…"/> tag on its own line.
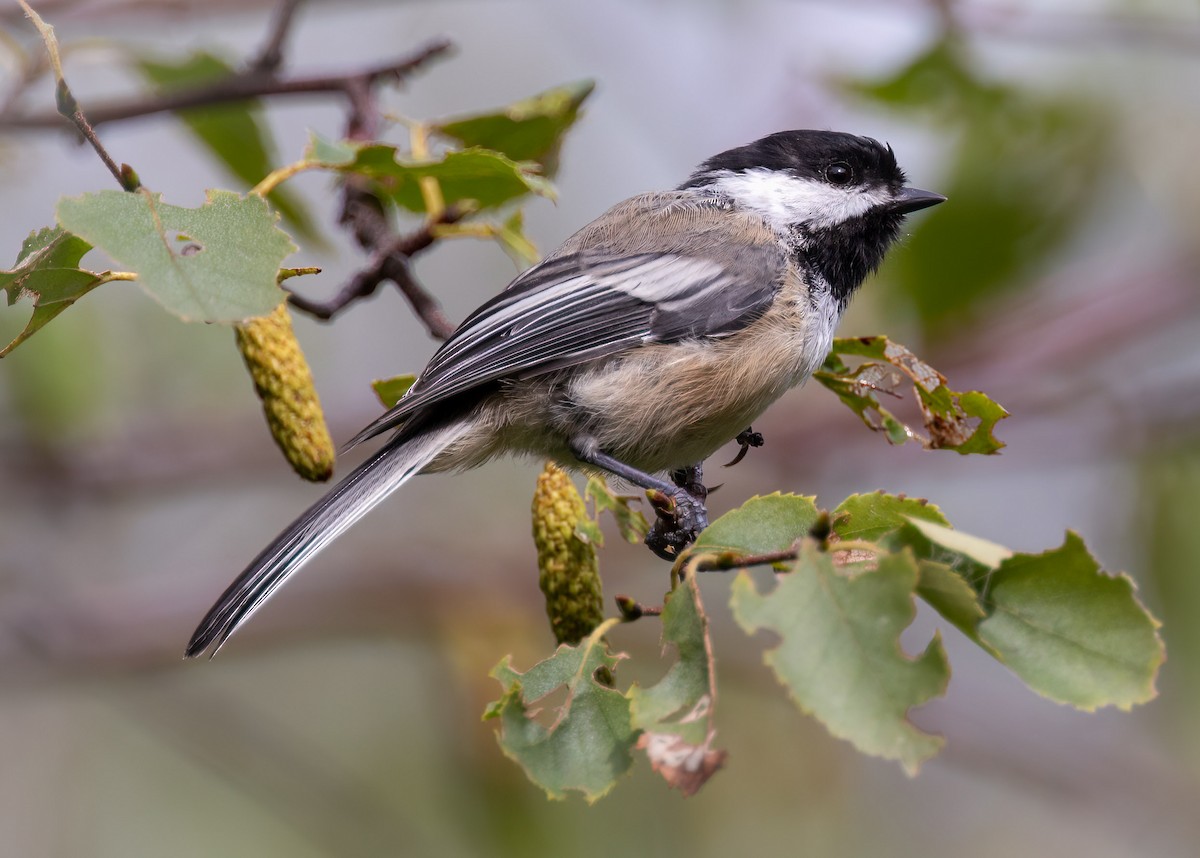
<point x="664" y="406"/>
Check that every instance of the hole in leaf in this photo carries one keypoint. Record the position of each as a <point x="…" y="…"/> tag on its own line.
<point x="547" y="710"/>
<point x="184" y="244"/>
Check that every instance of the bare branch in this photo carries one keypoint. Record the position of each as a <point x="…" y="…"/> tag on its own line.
<point x="241" y="87"/>
<point x="389" y="262"/>
<point x="423" y="304"/>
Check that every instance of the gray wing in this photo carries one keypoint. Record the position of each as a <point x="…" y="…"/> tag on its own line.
<point x="582" y="306"/>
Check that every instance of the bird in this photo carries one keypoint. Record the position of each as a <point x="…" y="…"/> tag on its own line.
<point x="651" y="337"/>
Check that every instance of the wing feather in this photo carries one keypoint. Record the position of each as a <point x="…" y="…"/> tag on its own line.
<point x="587" y="304"/>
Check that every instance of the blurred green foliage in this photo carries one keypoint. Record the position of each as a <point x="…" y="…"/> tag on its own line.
<point x="47" y="273"/>
<point x="480" y="177"/>
<point x="235" y="134"/>
<point x="531" y="129"/>
<point x="1021" y="172"/>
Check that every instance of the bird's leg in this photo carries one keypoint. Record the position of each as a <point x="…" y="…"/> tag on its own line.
<point x="690" y="479"/>
<point x="679" y="520"/>
<point x="679" y="507"/>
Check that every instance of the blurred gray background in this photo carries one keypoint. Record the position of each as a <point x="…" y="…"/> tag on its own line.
<point x="136" y="477"/>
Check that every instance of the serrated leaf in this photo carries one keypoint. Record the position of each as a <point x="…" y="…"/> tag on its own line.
<point x="963" y="551"/>
<point x="962" y="422"/>
<point x="954" y="568"/>
<point x="839" y="652"/>
<point x="631" y="523"/>
<point x="589" y="744"/>
<point x="857" y="388"/>
<point x="949" y="593"/>
<point x="389" y="390"/>
<point x="233" y="132"/>
<point x="483" y="178"/>
<point x="1071" y="632"/>
<point x="528" y="130"/>
<point x="676" y="713"/>
<point x="762" y="525"/>
<point x="868" y="517"/>
<point x="330" y="153"/>
<point x="216" y="263"/>
<point x="47" y="273"/>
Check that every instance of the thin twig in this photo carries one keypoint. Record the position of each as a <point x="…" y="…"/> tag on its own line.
<point x="389" y="262"/>
<point x="732" y="560"/>
<point x="362" y="211"/>
<point x="271" y="55"/>
<point x="242" y="87"/>
<point x="69" y="108"/>
<point x="423" y="304"/>
<point x="631" y="609"/>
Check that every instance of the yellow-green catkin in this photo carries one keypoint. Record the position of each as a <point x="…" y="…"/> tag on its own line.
<point x="284" y="383"/>
<point x="569" y="572"/>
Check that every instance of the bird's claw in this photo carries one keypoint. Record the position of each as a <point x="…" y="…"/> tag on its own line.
<point x="679" y="519"/>
<point x="746" y="439"/>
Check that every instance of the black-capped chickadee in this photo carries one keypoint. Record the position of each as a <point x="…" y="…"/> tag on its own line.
<point x="651" y="337"/>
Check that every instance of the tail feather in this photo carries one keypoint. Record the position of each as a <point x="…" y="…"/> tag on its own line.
<point x="328" y="518"/>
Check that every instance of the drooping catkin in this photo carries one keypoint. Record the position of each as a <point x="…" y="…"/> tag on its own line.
<point x="284" y="383"/>
<point x="569" y="571"/>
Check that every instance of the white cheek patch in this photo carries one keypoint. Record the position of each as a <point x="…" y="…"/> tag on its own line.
<point x="786" y="200"/>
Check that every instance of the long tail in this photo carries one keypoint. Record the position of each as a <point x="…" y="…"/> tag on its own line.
<point x="324" y="521"/>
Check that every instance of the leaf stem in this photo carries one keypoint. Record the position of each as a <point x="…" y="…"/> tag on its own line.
<point x="278" y="176"/>
<point x="431" y="191"/>
<point x="729" y="560"/>
<point x="69" y="108"/>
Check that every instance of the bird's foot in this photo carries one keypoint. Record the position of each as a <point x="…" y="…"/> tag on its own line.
<point x="746" y="439"/>
<point x="680" y="516"/>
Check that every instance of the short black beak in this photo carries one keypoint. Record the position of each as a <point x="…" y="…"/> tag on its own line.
<point x="910" y="200"/>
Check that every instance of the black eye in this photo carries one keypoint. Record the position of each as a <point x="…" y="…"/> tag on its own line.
<point x="839" y="173"/>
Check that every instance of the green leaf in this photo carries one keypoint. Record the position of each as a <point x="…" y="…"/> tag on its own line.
<point x="868" y="517"/>
<point x="954" y="568"/>
<point x="762" y="525"/>
<point x="217" y="263"/>
<point x="839" y="652"/>
<point x="949" y="593"/>
<point x="955" y="421"/>
<point x="477" y="176"/>
<point x="47" y="272"/>
<point x="630" y="522"/>
<point x="676" y="714"/>
<point x="332" y="153"/>
<point x="1070" y="631"/>
<point x="857" y="388"/>
<point x="1073" y="633"/>
<point x="389" y="390"/>
<point x="514" y="242"/>
<point x="528" y="130"/>
<point x="234" y="132"/>
<point x="485" y="178"/>
<point x="968" y="554"/>
<point x="589" y="743"/>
